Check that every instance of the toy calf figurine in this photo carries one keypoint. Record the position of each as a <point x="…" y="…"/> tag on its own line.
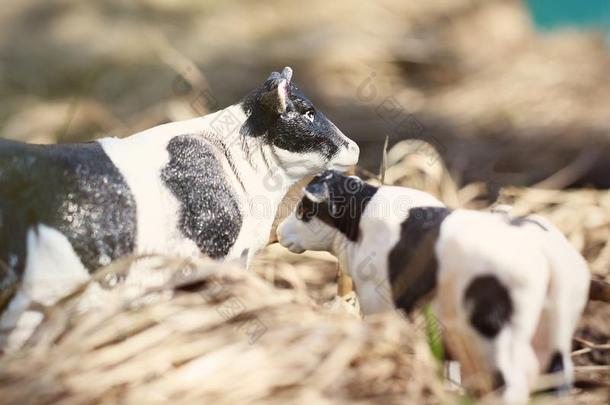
<point x="508" y="291"/>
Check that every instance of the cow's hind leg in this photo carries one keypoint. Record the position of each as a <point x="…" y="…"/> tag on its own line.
<point x="567" y="297"/>
<point x="504" y="319"/>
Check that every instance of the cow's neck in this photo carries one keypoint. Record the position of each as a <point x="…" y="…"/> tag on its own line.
<point x="253" y="163"/>
<point x="257" y="177"/>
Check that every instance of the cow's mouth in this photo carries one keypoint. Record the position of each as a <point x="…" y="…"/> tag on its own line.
<point x="346" y="158"/>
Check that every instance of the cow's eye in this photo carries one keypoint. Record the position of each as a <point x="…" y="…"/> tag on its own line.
<point x="309" y="115"/>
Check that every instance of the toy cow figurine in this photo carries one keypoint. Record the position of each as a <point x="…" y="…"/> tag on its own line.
<point x="509" y="291"/>
<point x="206" y="186"/>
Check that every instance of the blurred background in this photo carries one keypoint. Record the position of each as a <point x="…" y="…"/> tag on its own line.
<point x="509" y="92"/>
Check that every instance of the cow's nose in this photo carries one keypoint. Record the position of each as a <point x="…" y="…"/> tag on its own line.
<point x="353" y="151"/>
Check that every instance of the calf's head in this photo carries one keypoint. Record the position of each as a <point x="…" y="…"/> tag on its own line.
<point x="331" y="207"/>
<point x="302" y="140"/>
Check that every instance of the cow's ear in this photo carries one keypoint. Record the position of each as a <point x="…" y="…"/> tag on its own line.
<point x="276" y="99"/>
<point x="317" y="192"/>
<point x="287" y="74"/>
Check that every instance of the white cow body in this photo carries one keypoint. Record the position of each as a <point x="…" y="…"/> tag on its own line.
<point x="158" y="210"/>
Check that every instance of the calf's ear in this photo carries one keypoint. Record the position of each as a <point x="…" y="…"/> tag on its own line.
<point x="276" y="99"/>
<point x="317" y="192"/>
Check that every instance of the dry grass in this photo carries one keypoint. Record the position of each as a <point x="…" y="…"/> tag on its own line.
<point x="220" y="334"/>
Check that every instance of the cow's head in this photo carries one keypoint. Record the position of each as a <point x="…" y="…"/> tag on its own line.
<point x="302" y="139"/>
<point x="332" y="206"/>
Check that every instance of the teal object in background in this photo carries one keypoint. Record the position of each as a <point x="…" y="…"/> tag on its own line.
<point x="554" y="14"/>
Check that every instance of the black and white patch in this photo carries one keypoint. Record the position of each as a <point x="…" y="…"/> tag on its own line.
<point x="72" y="188"/>
<point x="490" y="304"/>
<point x="342" y="198"/>
<point x="210" y="214"/>
<point x="295" y="125"/>
<point x="412" y="262"/>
